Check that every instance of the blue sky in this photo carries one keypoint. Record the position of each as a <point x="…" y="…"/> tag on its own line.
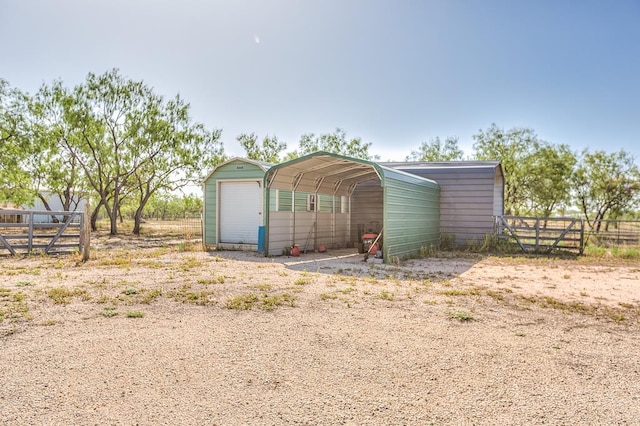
<point x="394" y="73"/>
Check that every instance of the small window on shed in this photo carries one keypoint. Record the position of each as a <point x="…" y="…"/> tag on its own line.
<point x="311" y="202"/>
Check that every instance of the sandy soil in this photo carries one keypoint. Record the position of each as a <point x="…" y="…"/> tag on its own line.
<point x="158" y="336"/>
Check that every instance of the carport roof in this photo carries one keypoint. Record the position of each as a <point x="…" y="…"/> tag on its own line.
<point x="330" y="173"/>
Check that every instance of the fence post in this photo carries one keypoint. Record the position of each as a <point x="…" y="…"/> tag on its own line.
<point x="85" y="233"/>
<point x="30" y="232"/>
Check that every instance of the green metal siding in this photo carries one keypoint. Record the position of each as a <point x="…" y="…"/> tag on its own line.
<point x="285" y="201"/>
<point x="234" y="170"/>
<point x="326" y="203"/>
<point x="301" y="201"/>
<point x="411" y="217"/>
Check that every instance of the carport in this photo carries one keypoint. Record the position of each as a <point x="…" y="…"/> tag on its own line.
<point x="308" y="202"/>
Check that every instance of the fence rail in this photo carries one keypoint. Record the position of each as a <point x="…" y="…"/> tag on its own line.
<point x="615" y="232"/>
<point x="42" y="231"/>
<point x="542" y="234"/>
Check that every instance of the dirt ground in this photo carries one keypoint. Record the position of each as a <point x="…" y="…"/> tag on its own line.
<point x="157" y="335"/>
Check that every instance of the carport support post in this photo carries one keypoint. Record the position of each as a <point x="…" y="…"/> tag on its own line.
<point x="265" y="217"/>
<point x="333" y="220"/>
<point x="315" y="222"/>
<point x="293" y="209"/>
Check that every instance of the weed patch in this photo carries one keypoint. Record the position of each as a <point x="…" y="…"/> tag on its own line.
<point x="328" y="296"/>
<point x="242" y="302"/>
<point x="385" y="295"/>
<point x="462" y="316"/>
<point x="269" y="303"/>
<point x="150" y="296"/>
<point x="109" y="312"/>
<point x="185" y="295"/>
<point x="302" y="281"/>
<point x="63" y="295"/>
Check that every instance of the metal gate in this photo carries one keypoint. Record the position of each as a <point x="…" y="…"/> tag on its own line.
<point x="542" y="234"/>
<point x="33" y="231"/>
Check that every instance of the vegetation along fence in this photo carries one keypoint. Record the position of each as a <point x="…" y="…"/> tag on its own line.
<point x="615" y="233"/>
<point x="542" y="235"/>
<point x="32" y="231"/>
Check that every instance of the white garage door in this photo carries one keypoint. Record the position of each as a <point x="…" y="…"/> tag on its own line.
<point x="240" y="212"/>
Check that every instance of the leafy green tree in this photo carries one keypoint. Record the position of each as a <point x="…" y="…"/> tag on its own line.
<point x="549" y="185"/>
<point x="55" y="172"/>
<point x="165" y="205"/>
<point x="101" y="140"/>
<point x="335" y="142"/>
<point x="16" y="182"/>
<point x="513" y="149"/>
<point x="606" y="186"/>
<point x="436" y="150"/>
<point x="128" y="140"/>
<point x="537" y="173"/>
<point x="269" y="150"/>
<point x="174" y="151"/>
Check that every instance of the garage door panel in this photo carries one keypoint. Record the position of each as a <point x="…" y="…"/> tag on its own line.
<point x="240" y="212"/>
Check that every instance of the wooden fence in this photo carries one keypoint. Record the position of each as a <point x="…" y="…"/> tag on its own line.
<point x="41" y="231"/>
<point x="542" y="234"/>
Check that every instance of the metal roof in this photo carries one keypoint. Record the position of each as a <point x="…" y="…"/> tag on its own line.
<point x="263" y="165"/>
<point x="470" y="164"/>
<point x="330" y="173"/>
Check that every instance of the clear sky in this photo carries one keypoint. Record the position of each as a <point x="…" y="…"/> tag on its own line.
<point x="393" y="72"/>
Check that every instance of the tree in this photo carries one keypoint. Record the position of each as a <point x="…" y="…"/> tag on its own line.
<point x="126" y="138"/>
<point x="537" y="173"/>
<point x="164" y="205"/>
<point x="268" y="151"/>
<point x="177" y="151"/>
<point x="15" y="145"/>
<point x="435" y="150"/>
<point x="606" y="185"/>
<point x="335" y="142"/>
<point x="514" y="149"/>
<point x="55" y="172"/>
<point x="549" y="185"/>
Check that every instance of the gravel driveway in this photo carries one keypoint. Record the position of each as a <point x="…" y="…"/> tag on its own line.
<point x="158" y="336"/>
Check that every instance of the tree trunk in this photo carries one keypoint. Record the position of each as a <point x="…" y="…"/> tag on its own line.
<point x="54" y="219"/>
<point x="138" y="214"/>
<point x="94" y="216"/>
<point x="113" y="212"/>
<point x="137" y="220"/>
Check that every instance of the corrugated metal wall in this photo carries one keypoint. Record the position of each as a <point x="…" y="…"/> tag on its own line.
<point x="411" y="218"/>
<point x="234" y="170"/>
<point x="312" y="228"/>
<point x="468" y="199"/>
<point x="409" y="213"/>
<point x="498" y="193"/>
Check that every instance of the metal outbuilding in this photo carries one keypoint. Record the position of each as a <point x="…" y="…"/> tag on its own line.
<point x="309" y="202"/>
<point x="233" y="204"/>
<point x="472" y="195"/>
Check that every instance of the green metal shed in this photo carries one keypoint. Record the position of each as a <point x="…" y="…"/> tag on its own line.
<point x="233" y="204"/>
<point x="310" y="202"/>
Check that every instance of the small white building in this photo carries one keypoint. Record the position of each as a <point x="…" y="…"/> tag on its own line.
<point x="55" y="205"/>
